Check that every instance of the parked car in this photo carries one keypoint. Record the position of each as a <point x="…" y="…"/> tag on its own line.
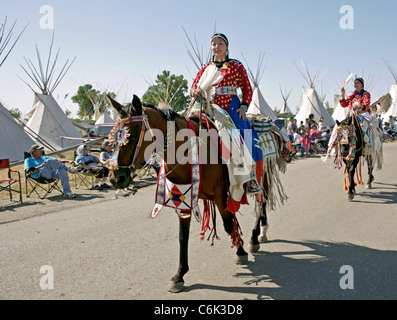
<point x="99" y="131"/>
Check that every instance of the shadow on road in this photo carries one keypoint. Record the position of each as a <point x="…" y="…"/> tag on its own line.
<point x="383" y="197"/>
<point x="314" y="273"/>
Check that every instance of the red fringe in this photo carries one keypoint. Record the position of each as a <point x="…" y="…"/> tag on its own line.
<point x="236" y="239"/>
<point x="233" y="206"/>
<point x="208" y="213"/>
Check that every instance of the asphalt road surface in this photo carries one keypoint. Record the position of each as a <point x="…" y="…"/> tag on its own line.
<point x="320" y="245"/>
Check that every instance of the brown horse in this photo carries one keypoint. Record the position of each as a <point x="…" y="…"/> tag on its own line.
<point x="214" y="177"/>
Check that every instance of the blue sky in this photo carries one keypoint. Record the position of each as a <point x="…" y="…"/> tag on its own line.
<point x="120" y="43"/>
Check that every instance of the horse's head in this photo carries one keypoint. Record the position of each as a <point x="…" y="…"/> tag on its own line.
<point x="345" y="136"/>
<point x="126" y="135"/>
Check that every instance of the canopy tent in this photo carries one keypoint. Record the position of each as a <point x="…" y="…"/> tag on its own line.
<point x="14" y="141"/>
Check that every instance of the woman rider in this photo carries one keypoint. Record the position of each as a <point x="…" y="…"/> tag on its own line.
<point x="234" y="76"/>
<point x="360" y="99"/>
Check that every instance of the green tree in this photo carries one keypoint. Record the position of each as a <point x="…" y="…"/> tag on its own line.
<point x="15" y="112"/>
<point x="82" y="98"/>
<point x="90" y="100"/>
<point x="169" y="89"/>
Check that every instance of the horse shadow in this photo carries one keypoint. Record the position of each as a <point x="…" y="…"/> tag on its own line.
<point x="315" y="272"/>
<point x="385" y="197"/>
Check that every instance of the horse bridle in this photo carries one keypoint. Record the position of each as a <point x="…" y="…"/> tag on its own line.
<point x="145" y="124"/>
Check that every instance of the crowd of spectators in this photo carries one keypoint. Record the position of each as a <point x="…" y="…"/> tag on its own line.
<point x="388" y="128"/>
<point x="309" y="138"/>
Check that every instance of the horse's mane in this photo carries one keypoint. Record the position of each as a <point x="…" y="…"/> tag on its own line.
<point x="168" y="114"/>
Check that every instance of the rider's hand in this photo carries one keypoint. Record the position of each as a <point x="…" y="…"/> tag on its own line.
<point x="195" y="93"/>
<point x="242" y="114"/>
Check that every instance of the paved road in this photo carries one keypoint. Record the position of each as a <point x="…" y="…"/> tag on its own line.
<point x="109" y="249"/>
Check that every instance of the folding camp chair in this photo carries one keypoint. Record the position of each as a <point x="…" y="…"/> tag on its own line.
<point x="83" y="176"/>
<point x="39" y="184"/>
<point x="6" y="184"/>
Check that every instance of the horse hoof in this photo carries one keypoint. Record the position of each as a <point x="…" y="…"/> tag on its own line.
<point x="176" y="287"/>
<point x="262" y="239"/>
<point x="254" y="248"/>
<point x="241" y="259"/>
<point x="368" y="186"/>
<point x="350" y="197"/>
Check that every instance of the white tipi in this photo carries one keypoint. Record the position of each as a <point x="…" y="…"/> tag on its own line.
<point x="393" y="93"/>
<point x="14" y="140"/>
<point x="339" y="113"/>
<point x="47" y="119"/>
<point x="258" y="104"/>
<point x="285" y="95"/>
<point x="104" y="117"/>
<point x="310" y="102"/>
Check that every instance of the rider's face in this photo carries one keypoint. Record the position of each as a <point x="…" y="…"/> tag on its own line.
<point x="358" y="85"/>
<point x="219" y="47"/>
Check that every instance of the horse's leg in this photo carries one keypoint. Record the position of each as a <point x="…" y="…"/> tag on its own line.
<point x="177" y="282"/>
<point x="260" y="228"/>
<point x="229" y="224"/>
<point x="351" y="171"/>
<point x="264" y="225"/>
<point x="370" y="164"/>
<point x="263" y="215"/>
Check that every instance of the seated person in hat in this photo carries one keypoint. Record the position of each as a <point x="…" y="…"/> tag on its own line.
<point x="42" y="166"/>
<point x="89" y="162"/>
<point x="106" y="154"/>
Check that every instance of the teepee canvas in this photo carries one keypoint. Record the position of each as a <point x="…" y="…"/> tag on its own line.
<point x="47" y="119"/>
<point x="14" y="141"/>
<point x="311" y="103"/>
<point x="258" y="103"/>
<point x="104" y="118"/>
<point x="393" y="93"/>
<point x="285" y="95"/>
<point x="49" y="122"/>
<point x="339" y="113"/>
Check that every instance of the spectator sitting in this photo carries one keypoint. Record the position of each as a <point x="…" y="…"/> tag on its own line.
<point x="41" y="166"/>
<point x="317" y="140"/>
<point x="321" y="125"/>
<point x="315" y="133"/>
<point x="106" y="154"/>
<point x="297" y="144"/>
<point x="311" y="120"/>
<point x="89" y="162"/>
<point x="325" y="138"/>
<point x="388" y="131"/>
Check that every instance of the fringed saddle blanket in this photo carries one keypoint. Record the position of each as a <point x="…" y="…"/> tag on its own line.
<point x="273" y="161"/>
<point x="181" y="197"/>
